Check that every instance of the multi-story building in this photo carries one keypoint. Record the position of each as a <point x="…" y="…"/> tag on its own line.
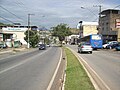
<point x="107" y="25"/>
<point x="87" y="28"/>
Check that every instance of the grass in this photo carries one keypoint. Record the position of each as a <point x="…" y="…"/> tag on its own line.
<point x="76" y="77"/>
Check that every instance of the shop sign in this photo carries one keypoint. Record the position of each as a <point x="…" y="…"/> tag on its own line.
<point x="117" y="23"/>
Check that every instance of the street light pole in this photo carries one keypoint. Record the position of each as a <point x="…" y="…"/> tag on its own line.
<point x="99" y="20"/>
<point x="28" y="44"/>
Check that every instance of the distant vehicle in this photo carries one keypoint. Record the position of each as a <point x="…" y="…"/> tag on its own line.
<point x="85" y="47"/>
<point x="118" y="47"/>
<point x="42" y="46"/>
<point x="63" y="42"/>
<point x="74" y="39"/>
<point x="111" y="42"/>
<point x="95" y="40"/>
<point x="48" y="45"/>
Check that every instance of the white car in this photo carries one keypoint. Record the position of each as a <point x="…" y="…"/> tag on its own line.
<point x="85" y="47"/>
<point x="111" y="42"/>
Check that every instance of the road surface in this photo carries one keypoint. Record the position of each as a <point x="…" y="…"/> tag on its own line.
<point x="30" y="70"/>
<point x="106" y="63"/>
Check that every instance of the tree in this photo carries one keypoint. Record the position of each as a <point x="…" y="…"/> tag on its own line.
<point x="3" y="24"/>
<point x="33" y="37"/>
<point x="61" y="31"/>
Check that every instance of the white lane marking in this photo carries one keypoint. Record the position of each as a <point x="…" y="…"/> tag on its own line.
<point x="51" y="82"/>
<point x="1" y="59"/>
<point x="12" y="67"/>
<point x="93" y="81"/>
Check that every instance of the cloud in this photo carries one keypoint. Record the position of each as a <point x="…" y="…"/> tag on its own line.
<point x="54" y="11"/>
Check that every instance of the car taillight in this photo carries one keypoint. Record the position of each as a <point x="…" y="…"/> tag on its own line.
<point x="82" y="47"/>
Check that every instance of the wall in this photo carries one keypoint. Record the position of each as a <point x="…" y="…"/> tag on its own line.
<point x="89" y="29"/>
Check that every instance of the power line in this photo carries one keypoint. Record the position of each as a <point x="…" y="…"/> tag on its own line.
<point x="11" y="13"/>
<point x="6" y="19"/>
<point x="117" y="6"/>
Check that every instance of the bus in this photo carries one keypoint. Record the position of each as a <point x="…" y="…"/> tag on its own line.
<point x="95" y="40"/>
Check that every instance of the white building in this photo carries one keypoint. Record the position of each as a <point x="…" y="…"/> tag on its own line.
<point x="18" y="33"/>
<point x="87" y="28"/>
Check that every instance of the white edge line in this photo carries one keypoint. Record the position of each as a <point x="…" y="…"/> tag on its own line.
<point x="92" y="80"/>
<point x="51" y="82"/>
<point x="64" y="80"/>
<point x="12" y="67"/>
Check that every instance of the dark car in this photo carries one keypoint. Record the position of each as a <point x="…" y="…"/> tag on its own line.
<point x="118" y="47"/>
<point x="42" y="46"/>
<point x="112" y="46"/>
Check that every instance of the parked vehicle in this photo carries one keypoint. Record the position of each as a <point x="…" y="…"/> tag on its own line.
<point x="118" y="47"/>
<point x="42" y="46"/>
<point x="112" y="46"/>
<point x="3" y="44"/>
<point x="85" y="47"/>
<point x="111" y="42"/>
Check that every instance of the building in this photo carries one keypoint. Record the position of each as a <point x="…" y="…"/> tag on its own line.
<point x="107" y="24"/>
<point x="87" y="28"/>
<point x="11" y="33"/>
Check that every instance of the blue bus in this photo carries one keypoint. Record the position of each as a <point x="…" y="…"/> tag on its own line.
<point x="94" y="39"/>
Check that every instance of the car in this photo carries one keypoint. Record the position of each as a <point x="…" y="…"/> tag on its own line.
<point x="42" y="46"/>
<point x="110" y="42"/>
<point x="3" y="44"/>
<point x="112" y="46"/>
<point x="48" y="45"/>
<point x="85" y="47"/>
<point x="118" y="47"/>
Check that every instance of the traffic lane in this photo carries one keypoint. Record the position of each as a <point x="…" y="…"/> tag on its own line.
<point x="107" y="65"/>
<point x="15" y="52"/>
<point x="11" y="60"/>
<point x="32" y="75"/>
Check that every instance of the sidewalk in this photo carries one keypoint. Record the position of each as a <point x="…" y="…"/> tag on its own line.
<point x="9" y="50"/>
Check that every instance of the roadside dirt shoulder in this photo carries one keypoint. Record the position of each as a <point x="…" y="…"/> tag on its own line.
<point x="59" y="79"/>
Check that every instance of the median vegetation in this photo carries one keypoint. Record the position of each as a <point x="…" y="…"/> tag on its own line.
<point x="76" y="77"/>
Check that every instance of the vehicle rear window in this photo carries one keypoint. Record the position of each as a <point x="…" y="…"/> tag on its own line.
<point x="86" y="43"/>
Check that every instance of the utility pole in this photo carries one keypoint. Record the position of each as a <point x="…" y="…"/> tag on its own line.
<point x="28" y="44"/>
<point x="100" y="8"/>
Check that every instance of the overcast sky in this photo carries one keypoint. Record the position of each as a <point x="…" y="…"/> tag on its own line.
<point x="49" y="13"/>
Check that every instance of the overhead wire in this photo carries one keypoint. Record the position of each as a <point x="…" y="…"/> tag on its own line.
<point x="17" y="3"/>
<point x="11" y="12"/>
<point x="7" y="19"/>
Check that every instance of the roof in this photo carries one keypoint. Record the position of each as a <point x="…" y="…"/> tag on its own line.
<point x="87" y="23"/>
<point x="90" y="23"/>
<point x="108" y="11"/>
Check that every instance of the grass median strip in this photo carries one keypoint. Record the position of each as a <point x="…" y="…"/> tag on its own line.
<point x="76" y="77"/>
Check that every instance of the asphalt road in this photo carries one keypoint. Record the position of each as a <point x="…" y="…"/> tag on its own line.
<point x="106" y="63"/>
<point x="30" y="70"/>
